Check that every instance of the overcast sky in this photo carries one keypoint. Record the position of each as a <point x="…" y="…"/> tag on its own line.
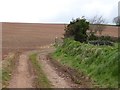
<point x="56" y="11"/>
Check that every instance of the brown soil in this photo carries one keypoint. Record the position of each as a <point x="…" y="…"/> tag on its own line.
<point x="22" y="77"/>
<point x="110" y="31"/>
<point x="25" y="36"/>
<point x="55" y="79"/>
<point x="77" y="78"/>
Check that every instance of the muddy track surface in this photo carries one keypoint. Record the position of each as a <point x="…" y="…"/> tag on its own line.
<point x="22" y="77"/>
<point x="52" y="75"/>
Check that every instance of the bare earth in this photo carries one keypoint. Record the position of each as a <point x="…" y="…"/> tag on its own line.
<point x="28" y="36"/>
<point x="22" y="78"/>
<point x="51" y="73"/>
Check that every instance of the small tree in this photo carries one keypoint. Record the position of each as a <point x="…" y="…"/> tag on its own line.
<point x="77" y="29"/>
<point x="116" y="20"/>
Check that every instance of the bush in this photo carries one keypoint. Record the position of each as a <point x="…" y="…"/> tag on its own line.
<point x="77" y="30"/>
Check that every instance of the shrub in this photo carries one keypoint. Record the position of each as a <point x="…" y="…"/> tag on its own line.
<point x="77" y="30"/>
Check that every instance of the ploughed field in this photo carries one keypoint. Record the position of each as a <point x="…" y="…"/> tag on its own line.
<point x="112" y="31"/>
<point x="25" y="36"/>
<point x="30" y="36"/>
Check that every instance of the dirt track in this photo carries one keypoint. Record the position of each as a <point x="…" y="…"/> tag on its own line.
<point x="22" y="78"/>
<point x="57" y="81"/>
<point x="50" y="71"/>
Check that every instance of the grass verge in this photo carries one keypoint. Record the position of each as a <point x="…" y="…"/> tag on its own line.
<point x="41" y="80"/>
<point x="7" y="68"/>
<point x="98" y="62"/>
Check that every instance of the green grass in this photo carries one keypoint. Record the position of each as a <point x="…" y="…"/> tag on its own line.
<point x="41" y="80"/>
<point x="98" y="62"/>
<point x="7" y="68"/>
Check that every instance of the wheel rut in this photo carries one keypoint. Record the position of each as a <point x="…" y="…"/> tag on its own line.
<point x="22" y="78"/>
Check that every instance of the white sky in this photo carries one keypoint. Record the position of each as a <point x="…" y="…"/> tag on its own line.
<point x="56" y="11"/>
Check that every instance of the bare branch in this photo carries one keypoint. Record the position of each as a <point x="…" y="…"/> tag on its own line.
<point x="97" y="24"/>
